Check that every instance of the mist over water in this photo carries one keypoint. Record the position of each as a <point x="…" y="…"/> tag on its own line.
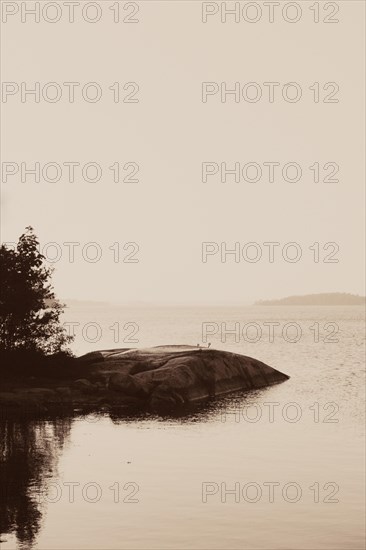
<point x="183" y="152"/>
<point x="280" y="467"/>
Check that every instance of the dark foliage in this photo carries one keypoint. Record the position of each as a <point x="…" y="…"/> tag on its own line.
<point x="29" y="311"/>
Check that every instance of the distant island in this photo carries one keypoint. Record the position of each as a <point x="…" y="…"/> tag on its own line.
<point x="327" y="299"/>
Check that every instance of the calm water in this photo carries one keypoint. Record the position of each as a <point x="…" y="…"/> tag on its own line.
<point x="279" y="468"/>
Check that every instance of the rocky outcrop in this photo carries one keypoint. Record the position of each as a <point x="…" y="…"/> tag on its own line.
<point x="167" y="377"/>
<point x="161" y="378"/>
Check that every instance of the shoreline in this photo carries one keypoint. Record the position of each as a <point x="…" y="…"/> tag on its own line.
<point x="160" y="379"/>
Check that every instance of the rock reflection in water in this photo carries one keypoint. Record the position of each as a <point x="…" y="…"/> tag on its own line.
<point x="29" y="451"/>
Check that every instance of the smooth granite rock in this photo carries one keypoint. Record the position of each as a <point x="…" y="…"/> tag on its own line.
<point x="83" y="385"/>
<point x="127" y="384"/>
<point x="166" y="377"/>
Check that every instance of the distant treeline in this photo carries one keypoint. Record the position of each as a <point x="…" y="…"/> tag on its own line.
<point x="330" y="299"/>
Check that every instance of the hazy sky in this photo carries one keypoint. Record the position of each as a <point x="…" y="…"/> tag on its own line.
<point x="169" y="133"/>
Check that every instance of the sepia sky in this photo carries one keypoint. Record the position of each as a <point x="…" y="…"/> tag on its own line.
<point x="169" y="133"/>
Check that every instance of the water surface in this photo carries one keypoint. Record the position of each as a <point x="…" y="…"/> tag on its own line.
<point x="203" y="480"/>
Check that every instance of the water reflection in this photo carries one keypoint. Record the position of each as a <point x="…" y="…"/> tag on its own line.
<point x="29" y="451"/>
<point x="202" y="411"/>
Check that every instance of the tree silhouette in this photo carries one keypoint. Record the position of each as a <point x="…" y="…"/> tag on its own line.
<point x="29" y="311"/>
<point x="29" y="451"/>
